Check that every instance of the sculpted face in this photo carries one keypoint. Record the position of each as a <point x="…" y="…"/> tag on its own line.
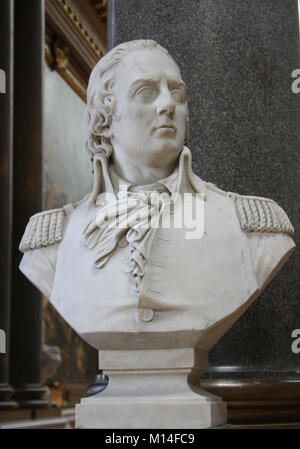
<point x="151" y="110"/>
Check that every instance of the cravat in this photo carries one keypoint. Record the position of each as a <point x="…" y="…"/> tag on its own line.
<point x="134" y="215"/>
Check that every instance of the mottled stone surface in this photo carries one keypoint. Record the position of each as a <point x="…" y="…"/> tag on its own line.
<point x="237" y="58"/>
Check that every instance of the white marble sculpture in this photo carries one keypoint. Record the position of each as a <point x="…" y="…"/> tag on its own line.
<point x="152" y="299"/>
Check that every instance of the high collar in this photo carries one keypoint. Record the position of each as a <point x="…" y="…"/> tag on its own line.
<point x="168" y="182"/>
<point x="182" y="180"/>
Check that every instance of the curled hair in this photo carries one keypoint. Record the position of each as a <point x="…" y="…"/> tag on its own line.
<point x="101" y="101"/>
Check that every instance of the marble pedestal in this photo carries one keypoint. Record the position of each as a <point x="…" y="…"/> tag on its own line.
<point x="153" y="388"/>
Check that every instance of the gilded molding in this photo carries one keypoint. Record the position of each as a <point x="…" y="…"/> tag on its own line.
<point x="84" y="31"/>
<point x="74" y="41"/>
<point x="61" y="53"/>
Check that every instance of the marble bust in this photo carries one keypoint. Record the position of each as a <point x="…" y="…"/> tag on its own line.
<point x="149" y="288"/>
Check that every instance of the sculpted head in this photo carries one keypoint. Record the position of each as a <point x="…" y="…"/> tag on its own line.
<point x="136" y="102"/>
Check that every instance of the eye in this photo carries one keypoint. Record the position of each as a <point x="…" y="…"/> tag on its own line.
<point x="146" y="93"/>
<point x="178" y="95"/>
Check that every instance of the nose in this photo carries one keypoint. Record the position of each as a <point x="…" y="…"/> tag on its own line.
<point x="165" y="103"/>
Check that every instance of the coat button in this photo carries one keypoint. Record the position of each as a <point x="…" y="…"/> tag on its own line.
<point x="146" y="314"/>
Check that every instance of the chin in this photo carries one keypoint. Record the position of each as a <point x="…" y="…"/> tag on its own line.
<point x="169" y="147"/>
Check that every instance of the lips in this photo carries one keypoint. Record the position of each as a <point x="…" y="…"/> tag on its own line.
<point x="166" y="126"/>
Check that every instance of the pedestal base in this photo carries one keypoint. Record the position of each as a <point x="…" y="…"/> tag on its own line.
<point x="152" y="389"/>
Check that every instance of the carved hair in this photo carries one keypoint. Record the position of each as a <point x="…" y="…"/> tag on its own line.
<point x="101" y="100"/>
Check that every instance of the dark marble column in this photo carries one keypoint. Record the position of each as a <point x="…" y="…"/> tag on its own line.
<point x="237" y="57"/>
<point x="26" y="319"/>
<point x="6" y="152"/>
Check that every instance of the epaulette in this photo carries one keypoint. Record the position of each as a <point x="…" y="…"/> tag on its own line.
<point x="262" y="215"/>
<point x="44" y="229"/>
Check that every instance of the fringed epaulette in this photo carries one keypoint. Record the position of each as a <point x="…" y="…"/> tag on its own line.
<point x="262" y="215"/>
<point x="43" y="229"/>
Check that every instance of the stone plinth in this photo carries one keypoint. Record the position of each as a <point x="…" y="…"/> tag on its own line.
<point x="152" y="389"/>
